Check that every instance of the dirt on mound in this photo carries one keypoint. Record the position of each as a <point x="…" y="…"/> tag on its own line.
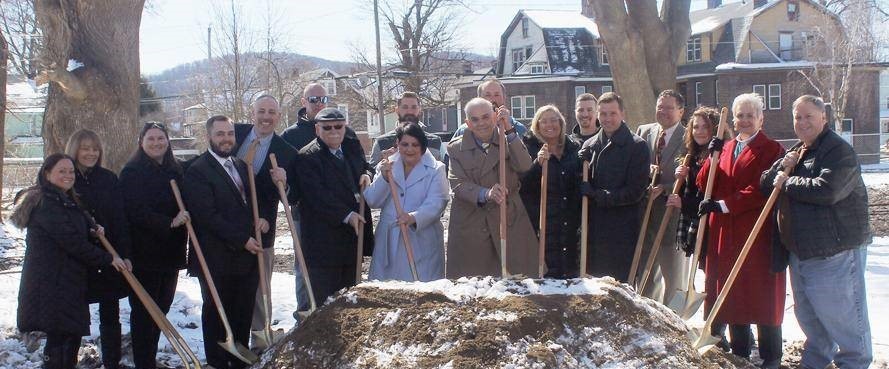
<point x="488" y="323"/>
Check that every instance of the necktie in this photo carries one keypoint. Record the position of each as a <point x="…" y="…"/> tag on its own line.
<point x="339" y="154"/>
<point x="230" y="168"/>
<point x="659" y="148"/>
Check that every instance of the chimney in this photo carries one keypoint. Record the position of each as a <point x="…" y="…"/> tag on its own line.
<point x="713" y="4"/>
<point x="759" y="3"/>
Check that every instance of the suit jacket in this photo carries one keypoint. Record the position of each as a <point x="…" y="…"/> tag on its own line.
<point x="222" y="220"/>
<point x="474" y="230"/>
<point x="672" y="153"/>
<point x="328" y="194"/>
<point x="266" y="192"/>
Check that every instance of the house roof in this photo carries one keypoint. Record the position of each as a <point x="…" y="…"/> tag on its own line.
<point x="569" y="38"/>
<point x="561" y="19"/>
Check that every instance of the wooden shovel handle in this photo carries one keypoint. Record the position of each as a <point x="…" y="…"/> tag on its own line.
<point x="503" y="205"/>
<point x="584" y="218"/>
<point x="359" y="248"/>
<point x="541" y="249"/>
<point x="640" y="240"/>
<point x="405" y="237"/>
<point x="260" y="256"/>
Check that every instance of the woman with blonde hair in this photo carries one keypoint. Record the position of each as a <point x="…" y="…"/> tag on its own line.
<point x="548" y="143"/>
<point x="99" y="194"/>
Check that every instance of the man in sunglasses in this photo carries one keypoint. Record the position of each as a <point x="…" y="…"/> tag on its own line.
<point x="265" y="116"/>
<point x="409" y="110"/>
<point x="474" y="233"/>
<point x="331" y="176"/>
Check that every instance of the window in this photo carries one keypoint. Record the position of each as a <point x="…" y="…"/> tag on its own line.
<point x="523" y="107"/>
<point x="579" y="90"/>
<point x="518" y="58"/>
<point x="775" y="97"/>
<point x="761" y="91"/>
<point x="793" y="10"/>
<point x="344" y="108"/>
<point x="607" y="88"/>
<point x="603" y="54"/>
<point x="785" y="45"/>
<point x="538" y="69"/>
<point x="329" y="86"/>
<point x="693" y="50"/>
<point x="699" y="93"/>
<point x="847" y="125"/>
<point x="525" y="27"/>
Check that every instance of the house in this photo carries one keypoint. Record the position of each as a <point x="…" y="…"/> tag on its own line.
<point x="24" y="120"/>
<point x="763" y="46"/>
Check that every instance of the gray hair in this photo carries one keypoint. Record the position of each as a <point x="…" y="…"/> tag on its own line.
<point x="816" y="101"/>
<point x="265" y="96"/>
<point x="751" y="98"/>
<point x="476" y="101"/>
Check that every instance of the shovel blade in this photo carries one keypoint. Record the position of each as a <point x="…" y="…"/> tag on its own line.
<point x="694" y="302"/>
<point x="702" y="341"/>
<point x="239" y="351"/>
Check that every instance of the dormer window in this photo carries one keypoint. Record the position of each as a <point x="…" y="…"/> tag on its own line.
<point x="603" y="54"/>
<point x="525" y="27"/>
<point x="793" y="10"/>
<point x="693" y="50"/>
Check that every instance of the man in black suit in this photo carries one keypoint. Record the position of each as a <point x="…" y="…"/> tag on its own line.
<point x="265" y="115"/>
<point x="331" y="175"/>
<point x="215" y="189"/>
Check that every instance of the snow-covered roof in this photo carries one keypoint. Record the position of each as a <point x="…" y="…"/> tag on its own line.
<point x="756" y="66"/>
<point x="708" y="20"/>
<point x="561" y="19"/>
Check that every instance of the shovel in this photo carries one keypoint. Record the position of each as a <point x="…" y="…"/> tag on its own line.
<point x="180" y="346"/>
<point x="236" y="349"/>
<point x="300" y="259"/>
<point x="404" y="235"/>
<point x="541" y="253"/>
<point x="656" y="246"/>
<point x="702" y="339"/>
<point x="631" y="279"/>
<point x="686" y="303"/>
<point x="584" y="218"/>
<point x="359" y="248"/>
<point x="503" y="204"/>
<point x="265" y="338"/>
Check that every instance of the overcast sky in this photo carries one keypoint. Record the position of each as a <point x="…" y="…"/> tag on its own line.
<point x="175" y="31"/>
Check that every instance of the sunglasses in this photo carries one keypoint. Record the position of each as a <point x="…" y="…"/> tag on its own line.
<point x="318" y="99"/>
<point x="335" y="126"/>
<point x="150" y="125"/>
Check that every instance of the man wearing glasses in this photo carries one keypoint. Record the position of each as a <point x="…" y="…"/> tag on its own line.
<point x="331" y="175"/>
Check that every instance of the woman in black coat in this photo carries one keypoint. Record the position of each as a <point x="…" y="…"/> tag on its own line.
<point x="158" y="233"/>
<point x="563" y="191"/>
<point x="99" y="194"/>
<point x="58" y="257"/>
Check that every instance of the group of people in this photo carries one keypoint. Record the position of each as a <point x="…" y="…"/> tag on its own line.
<point x="820" y="226"/>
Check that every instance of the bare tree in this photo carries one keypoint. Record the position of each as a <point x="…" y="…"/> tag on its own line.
<point x="18" y="24"/>
<point x="643" y="47"/>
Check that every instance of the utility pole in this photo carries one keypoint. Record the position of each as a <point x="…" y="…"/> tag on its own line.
<point x="209" y="45"/>
<point x="379" y="69"/>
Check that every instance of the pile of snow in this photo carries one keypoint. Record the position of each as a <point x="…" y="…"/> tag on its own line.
<point x="489" y="322"/>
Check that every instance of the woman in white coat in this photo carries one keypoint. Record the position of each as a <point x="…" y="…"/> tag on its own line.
<point x="422" y="185"/>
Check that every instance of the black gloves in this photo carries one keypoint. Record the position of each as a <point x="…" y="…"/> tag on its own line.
<point x="586" y="189"/>
<point x="586" y="153"/>
<point x="709" y="206"/>
<point x="715" y="144"/>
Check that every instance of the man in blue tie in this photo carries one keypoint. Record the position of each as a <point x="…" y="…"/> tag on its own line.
<point x="331" y="177"/>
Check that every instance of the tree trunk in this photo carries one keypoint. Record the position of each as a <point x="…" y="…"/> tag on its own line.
<point x="103" y="93"/>
<point x="642" y="49"/>
<point x="4" y="56"/>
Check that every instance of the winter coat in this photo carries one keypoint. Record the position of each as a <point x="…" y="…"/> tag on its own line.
<point x="101" y="196"/>
<point x="267" y="197"/>
<point x="691" y="195"/>
<point x="474" y="229"/>
<point x="619" y="178"/>
<point x="823" y="205"/>
<point x="757" y="295"/>
<point x="150" y="208"/>
<point x="58" y="256"/>
<point x="581" y="138"/>
<point x="330" y="190"/>
<point x="562" y="205"/>
<point x="423" y="194"/>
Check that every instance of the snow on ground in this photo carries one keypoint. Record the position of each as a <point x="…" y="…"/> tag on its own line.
<point x="875" y="174"/>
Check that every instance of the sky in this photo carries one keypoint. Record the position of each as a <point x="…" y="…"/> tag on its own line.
<point x="175" y="31"/>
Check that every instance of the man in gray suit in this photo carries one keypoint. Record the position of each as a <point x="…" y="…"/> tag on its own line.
<point x="665" y="139"/>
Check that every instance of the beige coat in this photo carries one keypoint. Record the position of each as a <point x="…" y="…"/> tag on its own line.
<point x="474" y="230"/>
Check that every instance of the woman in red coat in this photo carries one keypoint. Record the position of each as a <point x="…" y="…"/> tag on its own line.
<point x="757" y="296"/>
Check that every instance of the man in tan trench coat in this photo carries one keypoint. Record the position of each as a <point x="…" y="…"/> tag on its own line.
<point x="474" y="229"/>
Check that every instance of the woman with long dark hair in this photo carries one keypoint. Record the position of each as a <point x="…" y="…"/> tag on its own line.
<point x="158" y="233"/>
<point x="99" y="195"/>
<point x="58" y="256"/>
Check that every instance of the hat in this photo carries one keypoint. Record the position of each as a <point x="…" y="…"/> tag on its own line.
<point x="329" y="115"/>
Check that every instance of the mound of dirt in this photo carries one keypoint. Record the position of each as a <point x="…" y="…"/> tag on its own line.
<point x="488" y="323"/>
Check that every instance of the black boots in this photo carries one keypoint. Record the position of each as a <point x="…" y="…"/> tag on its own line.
<point x="60" y="351"/>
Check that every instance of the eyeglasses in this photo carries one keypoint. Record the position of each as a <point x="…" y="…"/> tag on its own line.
<point x="318" y="99"/>
<point x="335" y="126"/>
